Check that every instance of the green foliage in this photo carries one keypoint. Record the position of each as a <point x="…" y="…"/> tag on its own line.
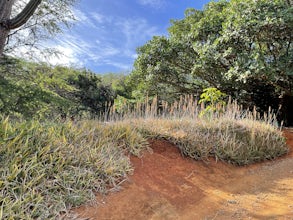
<point x="39" y="91"/>
<point x="212" y="96"/>
<point x="93" y="95"/>
<point x="47" y="168"/>
<point x="121" y="104"/>
<point x="244" y="48"/>
<point x="119" y="83"/>
<point x="163" y="68"/>
<point x="32" y="91"/>
<point x="213" y="100"/>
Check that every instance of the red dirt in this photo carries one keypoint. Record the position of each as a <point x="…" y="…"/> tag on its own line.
<point x="165" y="185"/>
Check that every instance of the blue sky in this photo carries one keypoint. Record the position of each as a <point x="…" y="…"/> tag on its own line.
<point x="107" y="32"/>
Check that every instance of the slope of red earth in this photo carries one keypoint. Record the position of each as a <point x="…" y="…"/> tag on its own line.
<point x="166" y="185"/>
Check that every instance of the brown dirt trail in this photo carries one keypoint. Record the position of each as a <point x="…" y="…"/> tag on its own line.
<point x="167" y="186"/>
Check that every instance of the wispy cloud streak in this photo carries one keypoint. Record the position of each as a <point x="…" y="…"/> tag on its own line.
<point x="153" y="3"/>
<point x="114" y="44"/>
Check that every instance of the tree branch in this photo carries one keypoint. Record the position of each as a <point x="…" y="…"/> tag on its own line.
<point x="23" y="16"/>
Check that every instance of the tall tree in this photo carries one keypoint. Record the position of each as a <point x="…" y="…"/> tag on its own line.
<point x="24" y="23"/>
<point x="94" y="96"/>
<point x="7" y="24"/>
<point x="242" y="47"/>
<point x="164" y="67"/>
<point x="251" y="55"/>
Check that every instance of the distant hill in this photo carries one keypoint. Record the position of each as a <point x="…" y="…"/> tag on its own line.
<point x="37" y="90"/>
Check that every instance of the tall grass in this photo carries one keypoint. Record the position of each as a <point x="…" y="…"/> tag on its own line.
<point x="186" y="107"/>
<point x="229" y="132"/>
<point x="48" y="167"/>
<point x="238" y="142"/>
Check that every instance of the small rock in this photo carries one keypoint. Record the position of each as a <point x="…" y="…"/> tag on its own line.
<point x="232" y="201"/>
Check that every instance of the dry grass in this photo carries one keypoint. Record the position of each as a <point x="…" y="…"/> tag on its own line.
<point x="228" y="133"/>
<point x="238" y="142"/>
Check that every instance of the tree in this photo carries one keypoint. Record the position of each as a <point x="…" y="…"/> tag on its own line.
<point x="93" y="96"/>
<point x="251" y="56"/>
<point x="242" y="47"/>
<point x="164" y="65"/>
<point x="119" y="83"/>
<point x="35" y="90"/>
<point x="163" y="68"/>
<point x="23" y="24"/>
<point x="7" y="24"/>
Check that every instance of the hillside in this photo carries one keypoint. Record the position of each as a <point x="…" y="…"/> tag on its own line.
<point x="39" y="91"/>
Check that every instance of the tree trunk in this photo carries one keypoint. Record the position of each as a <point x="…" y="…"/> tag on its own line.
<point x="7" y="24"/>
<point x="287" y="109"/>
<point x="5" y="12"/>
<point x="3" y="36"/>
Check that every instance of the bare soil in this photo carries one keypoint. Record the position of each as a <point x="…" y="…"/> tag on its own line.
<point x="166" y="185"/>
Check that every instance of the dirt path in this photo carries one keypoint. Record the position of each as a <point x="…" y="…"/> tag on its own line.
<point x="166" y="186"/>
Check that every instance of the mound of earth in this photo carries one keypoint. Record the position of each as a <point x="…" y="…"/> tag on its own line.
<point x="166" y="185"/>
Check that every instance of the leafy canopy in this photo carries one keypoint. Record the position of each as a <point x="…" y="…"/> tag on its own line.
<point x="242" y="47"/>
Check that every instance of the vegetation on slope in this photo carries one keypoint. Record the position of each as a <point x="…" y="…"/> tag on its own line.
<point x="48" y="167"/>
<point x="49" y="163"/>
<point x="38" y="91"/>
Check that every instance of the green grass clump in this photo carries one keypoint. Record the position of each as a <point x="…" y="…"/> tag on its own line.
<point x="46" y="168"/>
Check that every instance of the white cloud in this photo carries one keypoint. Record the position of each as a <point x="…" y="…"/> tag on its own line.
<point x="77" y="51"/>
<point x="153" y="3"/>
<point x="136" y="31"/>
<point x="114" y="45"/>
<point x="121" y="65"/>
<point x="71" y="49"/>
<point x="83" y="19"/>
<point x="63" y="54"/>
<point x="99" y="18"/>
<point x="66" y="57"/>
<point x="109" y="50"/>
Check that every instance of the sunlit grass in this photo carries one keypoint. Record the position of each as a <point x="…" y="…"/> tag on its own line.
<point x="238" y="142"/>
<point x="48" y="167"/>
